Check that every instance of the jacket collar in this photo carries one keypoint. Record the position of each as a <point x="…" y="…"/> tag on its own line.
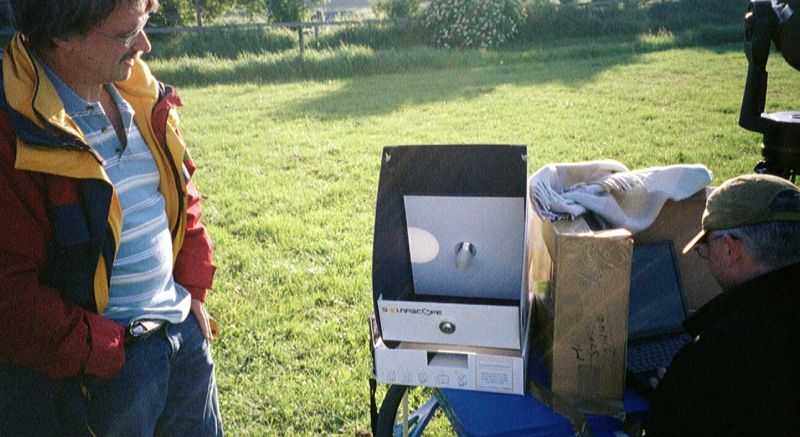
<point x="41" y="122"/>
<point x="770" y="290"/>
<point x="38" y="113"/>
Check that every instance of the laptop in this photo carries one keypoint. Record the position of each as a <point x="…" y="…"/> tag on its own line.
<point x="656" y="310"/>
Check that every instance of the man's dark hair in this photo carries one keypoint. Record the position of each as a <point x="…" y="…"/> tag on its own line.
<point x="42" y="20"/>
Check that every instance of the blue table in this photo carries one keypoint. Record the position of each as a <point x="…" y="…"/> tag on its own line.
<point x="480" y="414"/>
<point x="477" y="414"/>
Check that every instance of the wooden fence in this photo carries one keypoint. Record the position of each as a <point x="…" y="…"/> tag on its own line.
<point x="312" y="27"/>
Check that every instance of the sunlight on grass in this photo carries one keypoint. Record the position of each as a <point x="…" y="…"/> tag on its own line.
<point x="661" y="38"/>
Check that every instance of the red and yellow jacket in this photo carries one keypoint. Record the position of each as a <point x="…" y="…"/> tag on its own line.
<point x="60" y="220"/>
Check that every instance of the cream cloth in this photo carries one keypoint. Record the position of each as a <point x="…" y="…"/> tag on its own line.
<point x="623" y="198"/>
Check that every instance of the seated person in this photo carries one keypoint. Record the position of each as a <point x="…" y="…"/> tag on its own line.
<point x="739" y="376"/>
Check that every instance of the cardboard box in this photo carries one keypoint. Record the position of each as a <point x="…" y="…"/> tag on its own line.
<point x="447" y="366"/>
<point x="581" y="280"/>
<point x="581" y="308"/>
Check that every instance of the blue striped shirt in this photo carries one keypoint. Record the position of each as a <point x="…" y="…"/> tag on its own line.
<point x="142" y="286"/>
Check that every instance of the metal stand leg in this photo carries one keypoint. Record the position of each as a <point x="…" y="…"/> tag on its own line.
<point x="396" y="421"/>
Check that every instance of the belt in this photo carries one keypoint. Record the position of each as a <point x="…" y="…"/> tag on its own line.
<point x="141" y="329"/>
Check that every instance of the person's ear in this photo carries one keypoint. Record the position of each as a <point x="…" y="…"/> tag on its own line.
<point x="733" y="251"/>
<point x="64" y="44"/>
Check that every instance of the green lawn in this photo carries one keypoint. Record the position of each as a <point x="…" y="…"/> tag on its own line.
<point x="289" y="170"/>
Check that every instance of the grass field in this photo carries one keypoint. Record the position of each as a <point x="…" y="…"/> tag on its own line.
<point x="289" y="170"/>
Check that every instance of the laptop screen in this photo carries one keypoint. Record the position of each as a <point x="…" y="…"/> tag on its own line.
<point x="656" y="302"/>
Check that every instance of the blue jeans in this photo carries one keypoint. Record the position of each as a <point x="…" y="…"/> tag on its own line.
<point x="167" y="387"/>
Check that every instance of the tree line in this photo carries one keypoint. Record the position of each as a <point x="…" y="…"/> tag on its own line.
<point x="198" y="12"/>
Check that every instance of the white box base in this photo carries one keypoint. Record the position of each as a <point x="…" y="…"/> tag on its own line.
<point x="456" y="367"/>
<point x="491" y="326"/>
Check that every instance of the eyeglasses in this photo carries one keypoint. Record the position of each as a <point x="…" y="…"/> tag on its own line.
<point x="702" y="249"/>
<point x="127" y="39"/>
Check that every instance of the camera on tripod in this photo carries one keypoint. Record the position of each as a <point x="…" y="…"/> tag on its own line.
<point x="768" y="21"/>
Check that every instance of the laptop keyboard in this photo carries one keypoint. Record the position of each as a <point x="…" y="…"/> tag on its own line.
<point x="654" y="354"/>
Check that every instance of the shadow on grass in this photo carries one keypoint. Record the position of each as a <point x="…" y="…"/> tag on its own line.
<point x="471" y="72"/>
<point x="355" y="61"/>
<point x="469" y="76"/>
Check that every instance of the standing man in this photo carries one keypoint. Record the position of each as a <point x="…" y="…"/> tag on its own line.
<point x="740" y="375"/>
<point x="104" y="264"/>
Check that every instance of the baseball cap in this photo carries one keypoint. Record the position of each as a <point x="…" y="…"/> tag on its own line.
<point x="748" y="200"/>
